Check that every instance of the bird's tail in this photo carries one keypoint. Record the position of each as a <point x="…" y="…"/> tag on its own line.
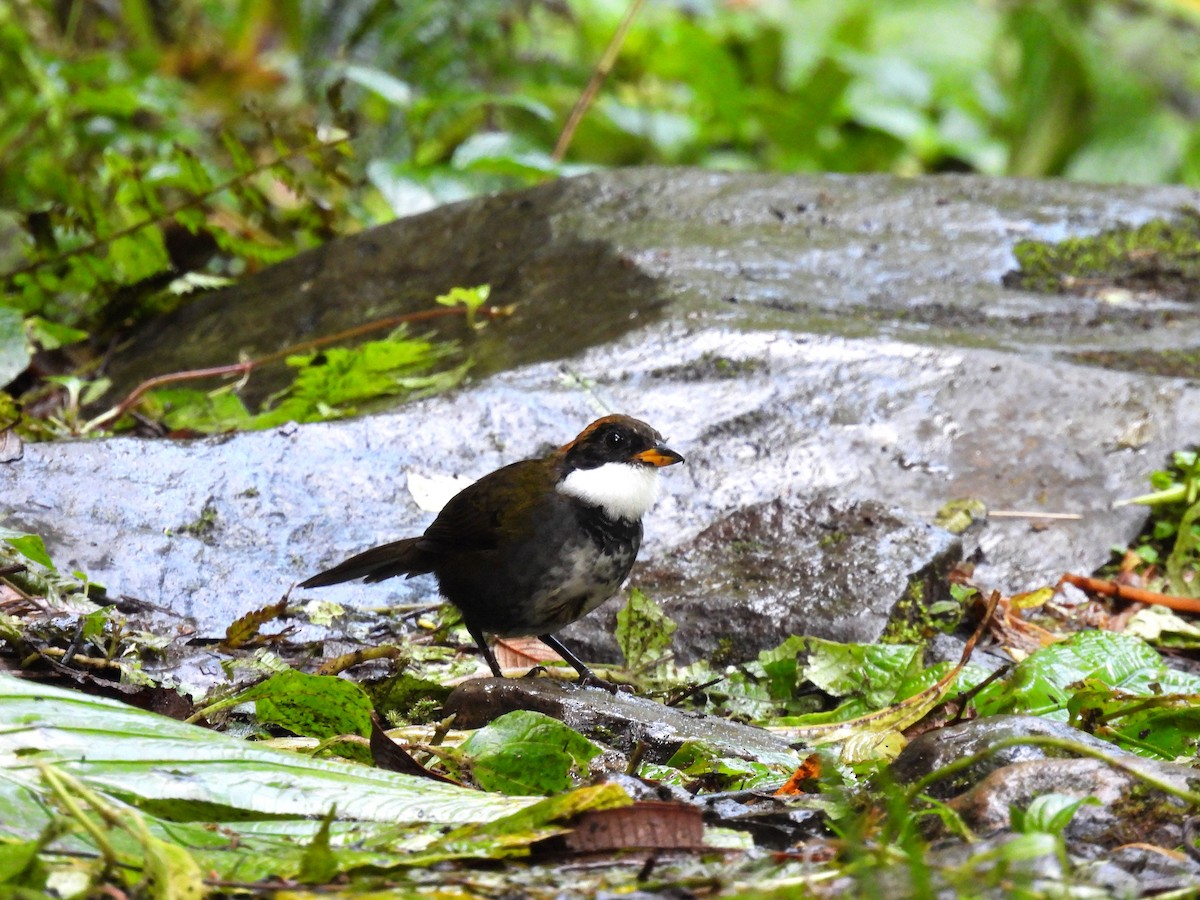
<point x="397" y="558"/>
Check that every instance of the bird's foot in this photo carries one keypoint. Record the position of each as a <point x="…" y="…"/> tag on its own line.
<point x="591" y="679"/>
<point x="536" y="672"/>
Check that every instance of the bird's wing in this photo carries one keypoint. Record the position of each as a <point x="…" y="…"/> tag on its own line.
<point x="475" y="517"/>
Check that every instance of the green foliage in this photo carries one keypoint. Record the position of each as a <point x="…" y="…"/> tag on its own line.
<point x="470" y="299"/>
<point x="1114" y="684"/>
<point x="31" y="569"/>
<point x="125" y="172"/>
<point x="149" y="151"/>
<point x="121" y="195"/>
<point x="1049" y="813"/>
<point x="322" y="822"/>
<point x="721" y="772"/>
<point x="866" y="677"/>
<point x="14" y="345"/>
<point x="643" y="631"/>
<point x="1171" y="537"/>
<point x="28" y="545"/>
<point x="526" y="752"/>
<point x="409" y="698"/>
<point x="872" y="672"/>
<point x="1158" y="255"/>
<point x="320" y="706"/>
<point x="319" y="863"/>
<point x="1164" y="628"/>
<point x="166" y="800"/>
<point x="328" y="384"/>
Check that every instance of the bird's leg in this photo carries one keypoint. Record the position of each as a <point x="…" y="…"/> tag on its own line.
<point x="485" y="649"/>
<point x="586" y="675"/>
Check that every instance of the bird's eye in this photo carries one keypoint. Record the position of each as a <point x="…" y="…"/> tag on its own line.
<point x="615" y="439"/>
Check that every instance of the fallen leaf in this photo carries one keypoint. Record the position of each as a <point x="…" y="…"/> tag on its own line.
<point x="646" y="825"/>
<point x="803" y="780"/>
<point x="387" y="754"/>
<point x="522" y="652"/>
<point x="245" y="630"/>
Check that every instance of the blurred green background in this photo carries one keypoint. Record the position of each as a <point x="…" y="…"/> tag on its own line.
<point x="216" y="136"/>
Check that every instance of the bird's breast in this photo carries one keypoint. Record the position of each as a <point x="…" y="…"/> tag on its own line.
<point x="585" y="575"/>
<point x="572" y="559"/>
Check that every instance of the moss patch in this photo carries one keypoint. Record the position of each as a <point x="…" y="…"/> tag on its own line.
<point x="711" y="367"/>
<point x="1159" y="257"/>
<point x="1172" y="363"/>
<point x="916" y="618"/>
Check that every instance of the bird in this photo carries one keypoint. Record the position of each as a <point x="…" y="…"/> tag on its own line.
<point x="535" y="545"/>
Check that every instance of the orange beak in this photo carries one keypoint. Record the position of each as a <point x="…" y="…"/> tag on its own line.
<point x="658" y="456"/>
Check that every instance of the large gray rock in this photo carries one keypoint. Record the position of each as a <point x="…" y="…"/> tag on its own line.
<point x="824" y="351"/>
<point x="593" y="258"/>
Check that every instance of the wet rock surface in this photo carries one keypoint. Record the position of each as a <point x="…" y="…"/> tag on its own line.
<point x="1130" y="810"/>
<point x="592" y="258"/>
<point x="835" y="357"/>
<point x="620" y="720"/>
<point x="213" y="528"/>
<point x="823" y="351"/>
<point x="936" y="749"/>
<point x="708" y="303"/>
<point x="788" y="566"/>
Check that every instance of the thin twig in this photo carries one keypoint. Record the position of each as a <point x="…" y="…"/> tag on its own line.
<point x="598" y="75"/>
<point x="1132" y="594"/>
<point x="1030" y="514"/>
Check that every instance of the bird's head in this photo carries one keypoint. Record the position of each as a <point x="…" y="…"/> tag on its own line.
<point x="613" y="464"/>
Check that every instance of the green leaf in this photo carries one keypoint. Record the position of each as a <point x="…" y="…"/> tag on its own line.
<point x="781" y="666"/>
<point x="1021" y="848"/>
<point x="172" y="767"/>
<point x="1039" y="683"/>
<point x="503" y="154"/>
<point x="319" y="864"/>
<point x="318" y="706"/>
<point x="1049" y="813"/>
<point x="396" y="92"/>
<point x="187" y="409"/>
<point x="328" y="383"/>
<point x="873" y="672"/>
<point x="730" y="773"/>
<point x="18" y="864"/>
<point x="512" y="835"/>
<point x="238" y="153"/>
<point x="525" y="752"/>
<point x="1112" y="683"/>
<point x="1185" y="555"/>
<point x="643" y="630"/>
<point x="14" y="348"/>
<point x="471" y="298"/>
<point x="170" y="872"/>
<point x="28" y="545"/>
<point x="1164" y="628"/>
<point x="52" y="335"/>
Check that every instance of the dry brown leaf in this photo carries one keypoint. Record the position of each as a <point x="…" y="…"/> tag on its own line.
<point x="523" y="652"/>
<point x="245" y="630"/>
<point x="387" y="754"/>
<point x="803" y="780"/>
<point x="646" y="825"/>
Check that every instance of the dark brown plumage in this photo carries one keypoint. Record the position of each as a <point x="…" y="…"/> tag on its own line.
<point x="531" y="547"/>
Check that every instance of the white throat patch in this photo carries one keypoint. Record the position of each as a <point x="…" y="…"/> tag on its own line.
<point x="622" y="490"/>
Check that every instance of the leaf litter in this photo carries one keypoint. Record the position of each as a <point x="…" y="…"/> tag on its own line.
<point x="190" y="800"/>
